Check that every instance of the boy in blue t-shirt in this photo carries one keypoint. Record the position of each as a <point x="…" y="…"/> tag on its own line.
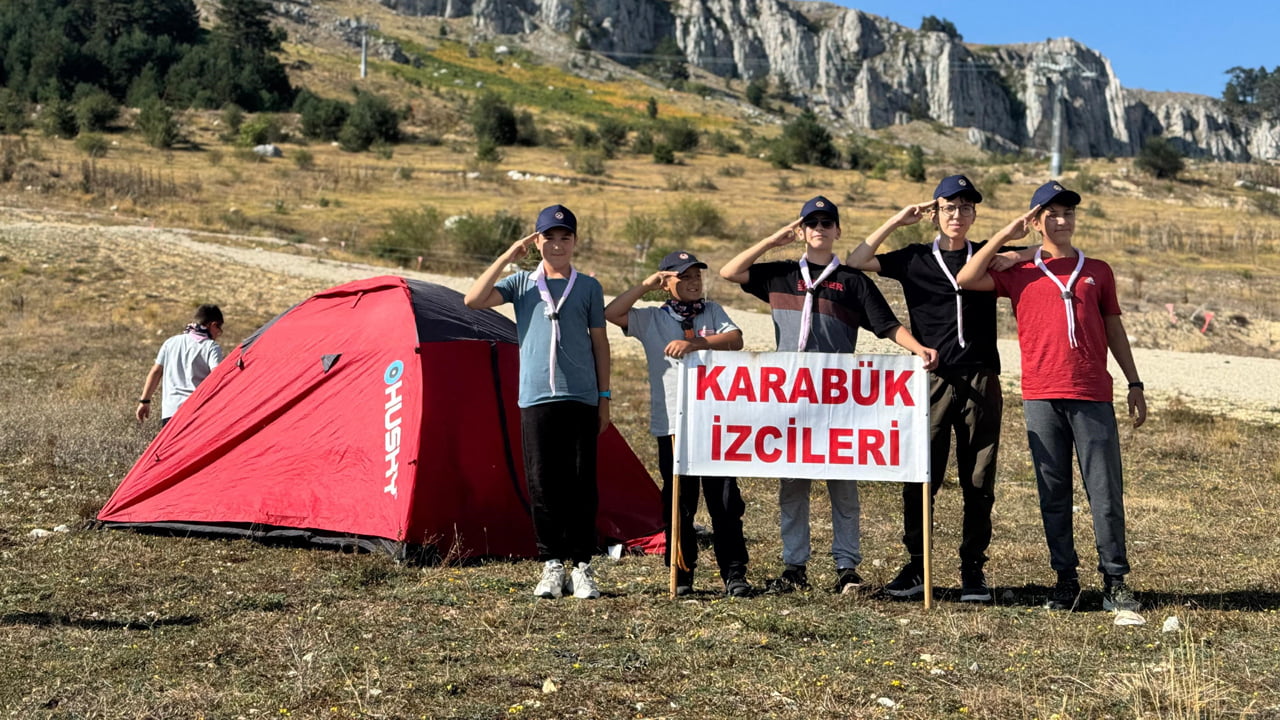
<point x="564" y="394"/>
<point x="686" y="323"/>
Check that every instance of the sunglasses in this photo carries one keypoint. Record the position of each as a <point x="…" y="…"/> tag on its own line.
<point x="824" y="224"/>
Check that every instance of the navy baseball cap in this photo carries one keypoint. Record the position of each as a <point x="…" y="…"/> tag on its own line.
<point x="1053" y="192"/>
<point x="820" y="205"/>
<point x="957" y="186"/>
<point x="557" y="216"/>
<point x="679" y="261"/>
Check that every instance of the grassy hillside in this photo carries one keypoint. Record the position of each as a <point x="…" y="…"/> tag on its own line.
<point x="101" y="624"/>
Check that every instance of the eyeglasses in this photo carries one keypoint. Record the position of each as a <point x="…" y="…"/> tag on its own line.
<point x="961" y="210"/>
<point x="824" y="224"/>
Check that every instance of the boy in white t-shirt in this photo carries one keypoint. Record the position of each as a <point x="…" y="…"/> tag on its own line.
<point x="686" y="323"/>
<point x="184" y="361"/>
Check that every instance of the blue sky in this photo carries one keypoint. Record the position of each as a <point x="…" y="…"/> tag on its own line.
<point x="1173" y="45"/>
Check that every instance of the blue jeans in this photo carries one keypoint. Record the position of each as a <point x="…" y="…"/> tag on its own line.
<point x="1054" y="428"/>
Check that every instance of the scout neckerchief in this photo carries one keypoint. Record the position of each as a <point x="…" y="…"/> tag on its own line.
<point x="685" y="312"/>
<point x="937" y="255"/>
<point x="552" y="312"/>
<point x="811" y="289"/>
<point x="198" y="332"/>
<point x="1066" y="290"/>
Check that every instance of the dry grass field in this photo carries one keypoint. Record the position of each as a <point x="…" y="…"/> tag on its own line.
<point x="100" y="624"/>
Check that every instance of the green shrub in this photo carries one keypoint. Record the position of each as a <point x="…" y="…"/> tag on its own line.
<point x="482" y="238"/>
<point x="13" y="113"/>
<point x="321" y="118"/>
<point x="1159" y="158"/>
<point x="643" y="143"/>
<point x="732" y="171"/>
<point x="96" y="111"/>
<point x="804" y="141"/>
<point x="527" y="130"/>
<point x="409" y="233"/>
<point x="304" y="159"/>
<point x="259" y="130"/>
<point x="493" y="119"/>
<point x="641" y="231"/>
<point x="613" y="135"/>
<point x="92" y="144"/>
<point x="692" y="216"/>
<point x="57" y="119"/>
<point x="915" y="170"/>
<point x="487" y="151"/>
<point x="664" y="155"/>
<point x="723" y="144"/>
<point x="1087" y="182"/>
<point x="372" y="120"/>
<point x="157" y="124"/>
<point x="590" y="162"/>
<point x="681" y="135"/>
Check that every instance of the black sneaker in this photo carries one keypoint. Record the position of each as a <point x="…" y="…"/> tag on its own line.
<point x="1117" y="597"/>
<point x="737" y="586"/>
<point x="908" y="584"/>
<point x="847" y="581"/>
<point x="684" y="583"/>
<point x="1065" y="595"/>
<point x="794" y="577"/>
<point x="973" y="586"/>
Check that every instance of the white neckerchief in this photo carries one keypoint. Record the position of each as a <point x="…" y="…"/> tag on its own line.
<point x="552" y="312"/>
<point x="807" y="314"/>
<point x="937" y="255"/>
<point x="1066" y="290"/>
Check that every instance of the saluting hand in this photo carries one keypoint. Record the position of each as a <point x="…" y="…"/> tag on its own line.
<point x="521" y="247"/>
<point x="912" y="214"/>
<point x="788" y="234"/>
<point x="657" y="280"/>
<point x="1019" y="228"/>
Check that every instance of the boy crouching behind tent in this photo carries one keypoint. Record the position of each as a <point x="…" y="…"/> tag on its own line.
<point x="686" y="323"/>
<point x="564" y="394"/>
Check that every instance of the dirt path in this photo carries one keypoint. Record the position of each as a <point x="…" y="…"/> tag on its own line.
<point x="1246" y="388"/>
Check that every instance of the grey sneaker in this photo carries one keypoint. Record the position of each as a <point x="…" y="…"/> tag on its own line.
<point x="582" y="582"/>
<point x="973" y="586"/>
<point x="1065" y="595"/>
<point x="908" y="584"/>
<point x="552" y="583"/>
<point x="1117" y="597"/>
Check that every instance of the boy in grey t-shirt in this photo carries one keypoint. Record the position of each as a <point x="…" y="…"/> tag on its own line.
<point x="686" y="323"/>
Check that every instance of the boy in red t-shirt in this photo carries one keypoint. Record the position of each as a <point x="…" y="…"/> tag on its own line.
<point x="1068" y="318"/>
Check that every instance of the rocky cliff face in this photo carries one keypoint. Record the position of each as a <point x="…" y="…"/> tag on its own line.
<point x="869" y="72"/>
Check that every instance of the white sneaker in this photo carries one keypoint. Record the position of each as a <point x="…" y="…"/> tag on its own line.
<point x="582" y="582"/>
<point x="551" y="585"/>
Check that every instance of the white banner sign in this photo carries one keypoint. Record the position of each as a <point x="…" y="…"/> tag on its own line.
<point x="823" y="416"/>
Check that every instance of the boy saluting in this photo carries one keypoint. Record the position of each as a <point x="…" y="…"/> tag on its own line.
<point x="1068" y="317"/>
<point x="686" y="323"/>
<point x="564" y="394"/>
<point x="818" y="305"/>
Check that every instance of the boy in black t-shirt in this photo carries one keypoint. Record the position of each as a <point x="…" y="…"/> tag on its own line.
<point x="818" y="305"/>
<point x="964" y="391"/>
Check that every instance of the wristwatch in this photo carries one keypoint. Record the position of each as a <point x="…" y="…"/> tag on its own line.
<point x="606" y="394"/>
<point x="1137" y="385"/>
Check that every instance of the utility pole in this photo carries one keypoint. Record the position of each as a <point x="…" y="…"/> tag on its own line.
<point x="364" y="48"/>
<point x="1058" y="72"/>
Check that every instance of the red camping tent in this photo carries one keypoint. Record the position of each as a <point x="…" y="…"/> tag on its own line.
<point x="377" y="413"/>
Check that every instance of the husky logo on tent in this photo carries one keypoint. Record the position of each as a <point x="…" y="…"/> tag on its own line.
<point x="391" y="422"/>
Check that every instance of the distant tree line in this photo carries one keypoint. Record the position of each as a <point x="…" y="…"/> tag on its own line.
<point x="136" y="50"/>
<point x="1253" y="93"/>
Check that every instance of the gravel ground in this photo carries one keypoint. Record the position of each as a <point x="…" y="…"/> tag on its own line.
<point x="1246" y="388"/>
